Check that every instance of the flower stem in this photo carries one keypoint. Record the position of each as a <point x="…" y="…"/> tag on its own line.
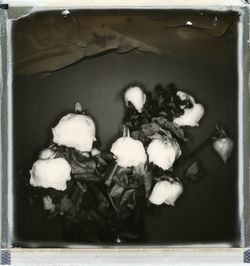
<point x="201" y="146"/>
<point x="110" y="178"/>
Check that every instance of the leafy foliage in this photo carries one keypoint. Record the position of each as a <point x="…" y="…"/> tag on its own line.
<point x="104" y="201"/>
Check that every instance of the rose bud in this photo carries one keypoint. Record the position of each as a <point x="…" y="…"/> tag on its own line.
<point x="163" y="153"/>
<point x="223" y="147"/>
<point x="94" y="152"/>
<point x="128" y="152"/>
<point x="48" y="204"/>
<point x="51" y="173"/>
<point x="76" y="131"/>
<point x="136" y="96"/>
<point x="191" y="116"/>
<point x="47" y="154"/>
<point x="166" y="192"/>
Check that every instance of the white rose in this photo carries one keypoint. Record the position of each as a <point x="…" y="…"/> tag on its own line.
<point x="95" y="152"/>
<point x="48" y="204"/>
<point x="47" y="154"/>
<point x="136" y="96"/>
<point x="166" y="192"/>
<point x="50" y="173"/>
<point x="128" y="152"/>
<point x="163" y="153"/>
<point x="76" y="131"/>
<point x="191" y="116"/>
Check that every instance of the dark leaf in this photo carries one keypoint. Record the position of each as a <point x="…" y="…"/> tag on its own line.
<point x="127" y="196"/>
<point x="78" y="204"/>
<point x="122" y="173"/>
<point x="148" y="183"/>
<point x="172" y="127"/>
<point x="94" y="217"/>
<point x="139" y="170"/>
<point x="150" y="129"/>
<point x="107" y="156"/>
<point x="116" y="191"/>
<point x="67" y="206"/>
<point x="87" y="177"/>
<point x="79" y="162"/>
<point x="81" y="186"/>
<point x="135" y="134"/>
<point x="101" y="161"/>
<point x="194" y="172"/>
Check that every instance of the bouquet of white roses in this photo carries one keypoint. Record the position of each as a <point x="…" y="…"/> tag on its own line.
<point x="102" y="194"/>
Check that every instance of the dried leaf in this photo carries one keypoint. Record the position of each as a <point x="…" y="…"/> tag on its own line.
<point x="194" y="172"/>
<point x="87" y="177"/>
<point x="80" y="163"/>
<point x="94" y="217"/>
<point x="67" y="206"/>
<point x="150" y="129"/>
<point x="136" y="134"/>
<point x="148" y="183"/>
<point x="172" y="127"/>
<point x="139" y="170"/>
<point x="116" y="191"/>
<point x="127" y="196"/>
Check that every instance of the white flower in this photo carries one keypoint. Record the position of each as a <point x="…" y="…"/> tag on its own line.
<point x="48" y="204"/>
<point x="163" y="153"/>
<point x="50" y="173"/>
<point x="128" y="152"/>
<point x="76" y="131"/>
<point x="95" y="152"/>
<point x="191" y="116"/>
<point x="166" y="192"/>
<point x="136" y="96"/>
<point x="47" y="154"/>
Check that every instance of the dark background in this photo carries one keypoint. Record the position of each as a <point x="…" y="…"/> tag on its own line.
<point x="197" y="61"/>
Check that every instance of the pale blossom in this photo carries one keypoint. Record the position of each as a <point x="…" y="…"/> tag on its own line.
<point x="166" y="191"/>
<point x="128" y="152"/>
<point x="163" y="153"/>
<point x="48" y="205"/>
<point x="76" y="131"/>
<point x="136" y="96"/>
<point x="191" y="116"/>
<point x="94" y="152"/>
<point x="47" y="154"/>
<point x="50" y="173"/>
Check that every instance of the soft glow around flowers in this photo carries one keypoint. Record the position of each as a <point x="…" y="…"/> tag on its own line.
<point x="47" y="154"/>
<point x="191" y="116"/>
<point x="136" y="96"/>
<point x="51" y="173"/>
<point x="166" y="191"/>
<point x="76" y="131"/>
<point x="128" y="152"/>
<point x="163" y="153"/>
